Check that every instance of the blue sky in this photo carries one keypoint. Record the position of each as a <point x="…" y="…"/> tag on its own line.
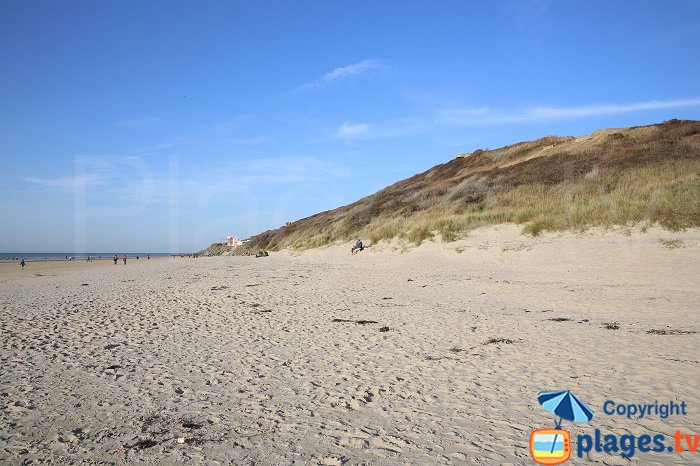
<point x="166" y="125"/>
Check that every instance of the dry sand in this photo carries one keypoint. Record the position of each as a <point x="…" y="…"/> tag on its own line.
<point x="242" y="358"/>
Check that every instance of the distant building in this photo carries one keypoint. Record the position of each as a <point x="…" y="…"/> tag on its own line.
<point x="232" y="242"/>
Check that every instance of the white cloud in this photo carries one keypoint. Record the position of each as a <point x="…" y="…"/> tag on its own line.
<point x="350" y="130"/>
<point x="280" y="170"/>
<point x="65" y="182"/>
<point x="464" y="115"/>
<point x="250" y="178"/>
<point x="345" y="72"/>
<point x="382" y="130"/>
<point x="486" y="115"/>
<point x="142" y="122"/>
<point x="595" y="110"/>
<point x="135" y="180"/>
<point x="252" y="140"/>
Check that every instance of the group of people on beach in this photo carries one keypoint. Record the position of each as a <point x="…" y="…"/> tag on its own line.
<point x="23" y="263"/>
<point x="358" y="246"/>
<point x="116" y="259"/>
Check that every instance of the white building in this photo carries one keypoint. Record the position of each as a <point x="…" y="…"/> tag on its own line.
<point x="232" y="242"/>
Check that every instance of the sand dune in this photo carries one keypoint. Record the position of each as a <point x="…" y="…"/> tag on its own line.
<point x="429" y="355"/>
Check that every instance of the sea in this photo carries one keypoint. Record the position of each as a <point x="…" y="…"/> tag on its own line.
<point x="61" y="256"/>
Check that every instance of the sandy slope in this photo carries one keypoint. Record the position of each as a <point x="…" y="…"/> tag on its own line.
<point x="241" y="357"/>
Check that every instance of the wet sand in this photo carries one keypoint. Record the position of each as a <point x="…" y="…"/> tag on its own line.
<point x="399" y="355"/>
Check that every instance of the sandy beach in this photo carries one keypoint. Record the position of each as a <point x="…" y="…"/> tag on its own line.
<point x="399" y="355"/>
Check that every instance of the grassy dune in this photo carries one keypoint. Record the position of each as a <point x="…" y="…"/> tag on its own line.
<point x="640" y="175"/>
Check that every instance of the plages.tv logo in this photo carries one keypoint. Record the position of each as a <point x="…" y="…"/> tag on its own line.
<point x="553" y="446"/>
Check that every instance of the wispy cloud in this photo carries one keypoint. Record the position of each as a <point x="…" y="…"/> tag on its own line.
<point x="487" y="115"/>
<point x="142" y="122"/>
<point x="345" y="72"/>
<point x="137" y="181"/>
<point x="244" y="178"/>
<point x="279" y="170"/>
<point x="65" y="182"/>
<point x="350" y="130"/>
<point x="383" y="129"/>
<point x="252" y="140"/>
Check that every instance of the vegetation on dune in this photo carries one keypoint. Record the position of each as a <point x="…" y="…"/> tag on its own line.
<point x="648" y="174"/>
<point x="215" y="249"/>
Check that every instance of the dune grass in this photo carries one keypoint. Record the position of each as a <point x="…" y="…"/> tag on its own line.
<point x="668" y="195"/>
<point x="618" y="177"/>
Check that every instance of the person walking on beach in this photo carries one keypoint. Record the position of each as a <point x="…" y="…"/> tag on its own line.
<point x="124" y="259"/>
<point x="148" y="257"/>
<point x="22" y="263"/>
<point x="115" y="259"/>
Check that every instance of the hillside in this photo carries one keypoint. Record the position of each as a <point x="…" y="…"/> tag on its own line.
<point x="612" y="177"/>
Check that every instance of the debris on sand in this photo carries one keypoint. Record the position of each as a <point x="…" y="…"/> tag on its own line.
<point x="142" y="444"/>
<point x="191" y="425"/>
<point x="492" y="341"/>
<point x="359" y="322"/>
<point x="671" y="331"/>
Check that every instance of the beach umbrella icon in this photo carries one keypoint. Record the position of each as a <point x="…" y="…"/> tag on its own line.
<point x="565" y="405"/>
